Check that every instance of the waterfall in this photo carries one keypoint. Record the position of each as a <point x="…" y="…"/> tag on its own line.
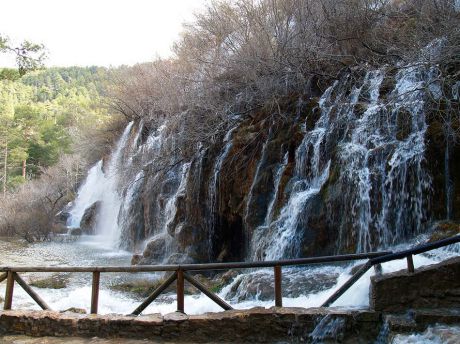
<point x="254" y="181"/>
<point x="213" y="189"/>
<point x="351" y="176"/>
<point x="276" y="185"/>
<point x="88" y="193"/>
<point x="171" y="205"/>
<point x="281" y="238"/>
<point x="107" y="221"/>
<point x="103" y="187"/>
<point x="378" y="161"/>
<point x="404" y="181"/>
<point x="355" y="156"/>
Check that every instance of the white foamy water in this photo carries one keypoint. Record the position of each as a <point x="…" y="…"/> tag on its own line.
<point x="102" y="186"/>
<point x="439" y="334"/>
<point x="89" y="193"/>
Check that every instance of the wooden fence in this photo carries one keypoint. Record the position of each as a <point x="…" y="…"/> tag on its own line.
<point x="181" y="273"/>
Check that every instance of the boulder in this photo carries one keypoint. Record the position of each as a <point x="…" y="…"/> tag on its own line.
<point x="444" y="230"/>
<point x="76" y="231"/>
<point x="136" y="259"/>
<point x="62" y="217"/>
<point x="259" y="285"/>
<point x="88" y="220"/>
<point x="155" y="250"/>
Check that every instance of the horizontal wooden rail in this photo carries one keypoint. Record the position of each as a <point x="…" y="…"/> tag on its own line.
<point x="415" y="250"/>
<point x="198" y="267"/>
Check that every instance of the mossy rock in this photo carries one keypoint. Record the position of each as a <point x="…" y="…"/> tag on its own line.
<point x="444" y="230"/>
<point x="53" y="282"/>
<point x="75" y="310"/>
<point x="359" y="109"/>
<point x="142" y="288"/>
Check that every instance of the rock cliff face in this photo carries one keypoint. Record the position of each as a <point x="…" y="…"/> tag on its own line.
<point x="358" y="166"/>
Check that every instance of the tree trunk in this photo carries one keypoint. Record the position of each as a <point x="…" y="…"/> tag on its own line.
<point x="24" y="169"/>
<point x="5" y="167"/>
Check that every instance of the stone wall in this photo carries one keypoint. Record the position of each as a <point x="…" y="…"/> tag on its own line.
<point x="257" y="325"/>
<point x="430" y="287"/>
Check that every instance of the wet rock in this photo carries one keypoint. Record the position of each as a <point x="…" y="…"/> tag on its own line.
<point x="88" y="220"/>
<point x="179" y="258"/>
<point x="76" y="231"/>
<point x="59" y="228"/>
<point x="54" y="282"/>
<point x="444" y="230"/>
<point x="140" y="288"/>
<point x="62" y="217"/>
<point x="226" y="277"/>
<point x="136" y="259"/>
<point x="155" y="250"/>
<point x="260" y="285"/>
<point x="185" y="235"/>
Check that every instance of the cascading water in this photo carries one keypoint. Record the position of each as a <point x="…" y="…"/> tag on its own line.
<point x="280" y="239"/>
<point x="380" y="140"/>
<point x="278" y="174"/>
<point x="382" y="160"/>
<point x="89" y="193"/>
<point x="103" y="187"/>
<point x="171" y="205"/>
<point x="255" y="180"/>
<point x="213" y="189"/>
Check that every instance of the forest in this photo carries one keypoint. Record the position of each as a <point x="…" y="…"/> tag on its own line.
<point x="47" y="116"/>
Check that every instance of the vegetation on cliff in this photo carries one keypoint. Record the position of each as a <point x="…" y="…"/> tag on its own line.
<point x="251" y="57"/>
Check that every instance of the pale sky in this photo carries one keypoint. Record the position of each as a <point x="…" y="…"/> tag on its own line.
<point x="96" y="32"/>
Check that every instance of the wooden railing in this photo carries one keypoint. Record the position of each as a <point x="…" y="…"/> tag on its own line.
<point x="377" y="261"/>
<point x="181" y="273"/>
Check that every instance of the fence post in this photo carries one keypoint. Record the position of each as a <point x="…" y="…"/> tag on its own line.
<point x="278" y="290"/>
<point x="9" y="291"/>
<point x="95" y="292"/>
<point x="410" y="264"/>
<point x="180" y="290"/>
<point x="378" y="269"/>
